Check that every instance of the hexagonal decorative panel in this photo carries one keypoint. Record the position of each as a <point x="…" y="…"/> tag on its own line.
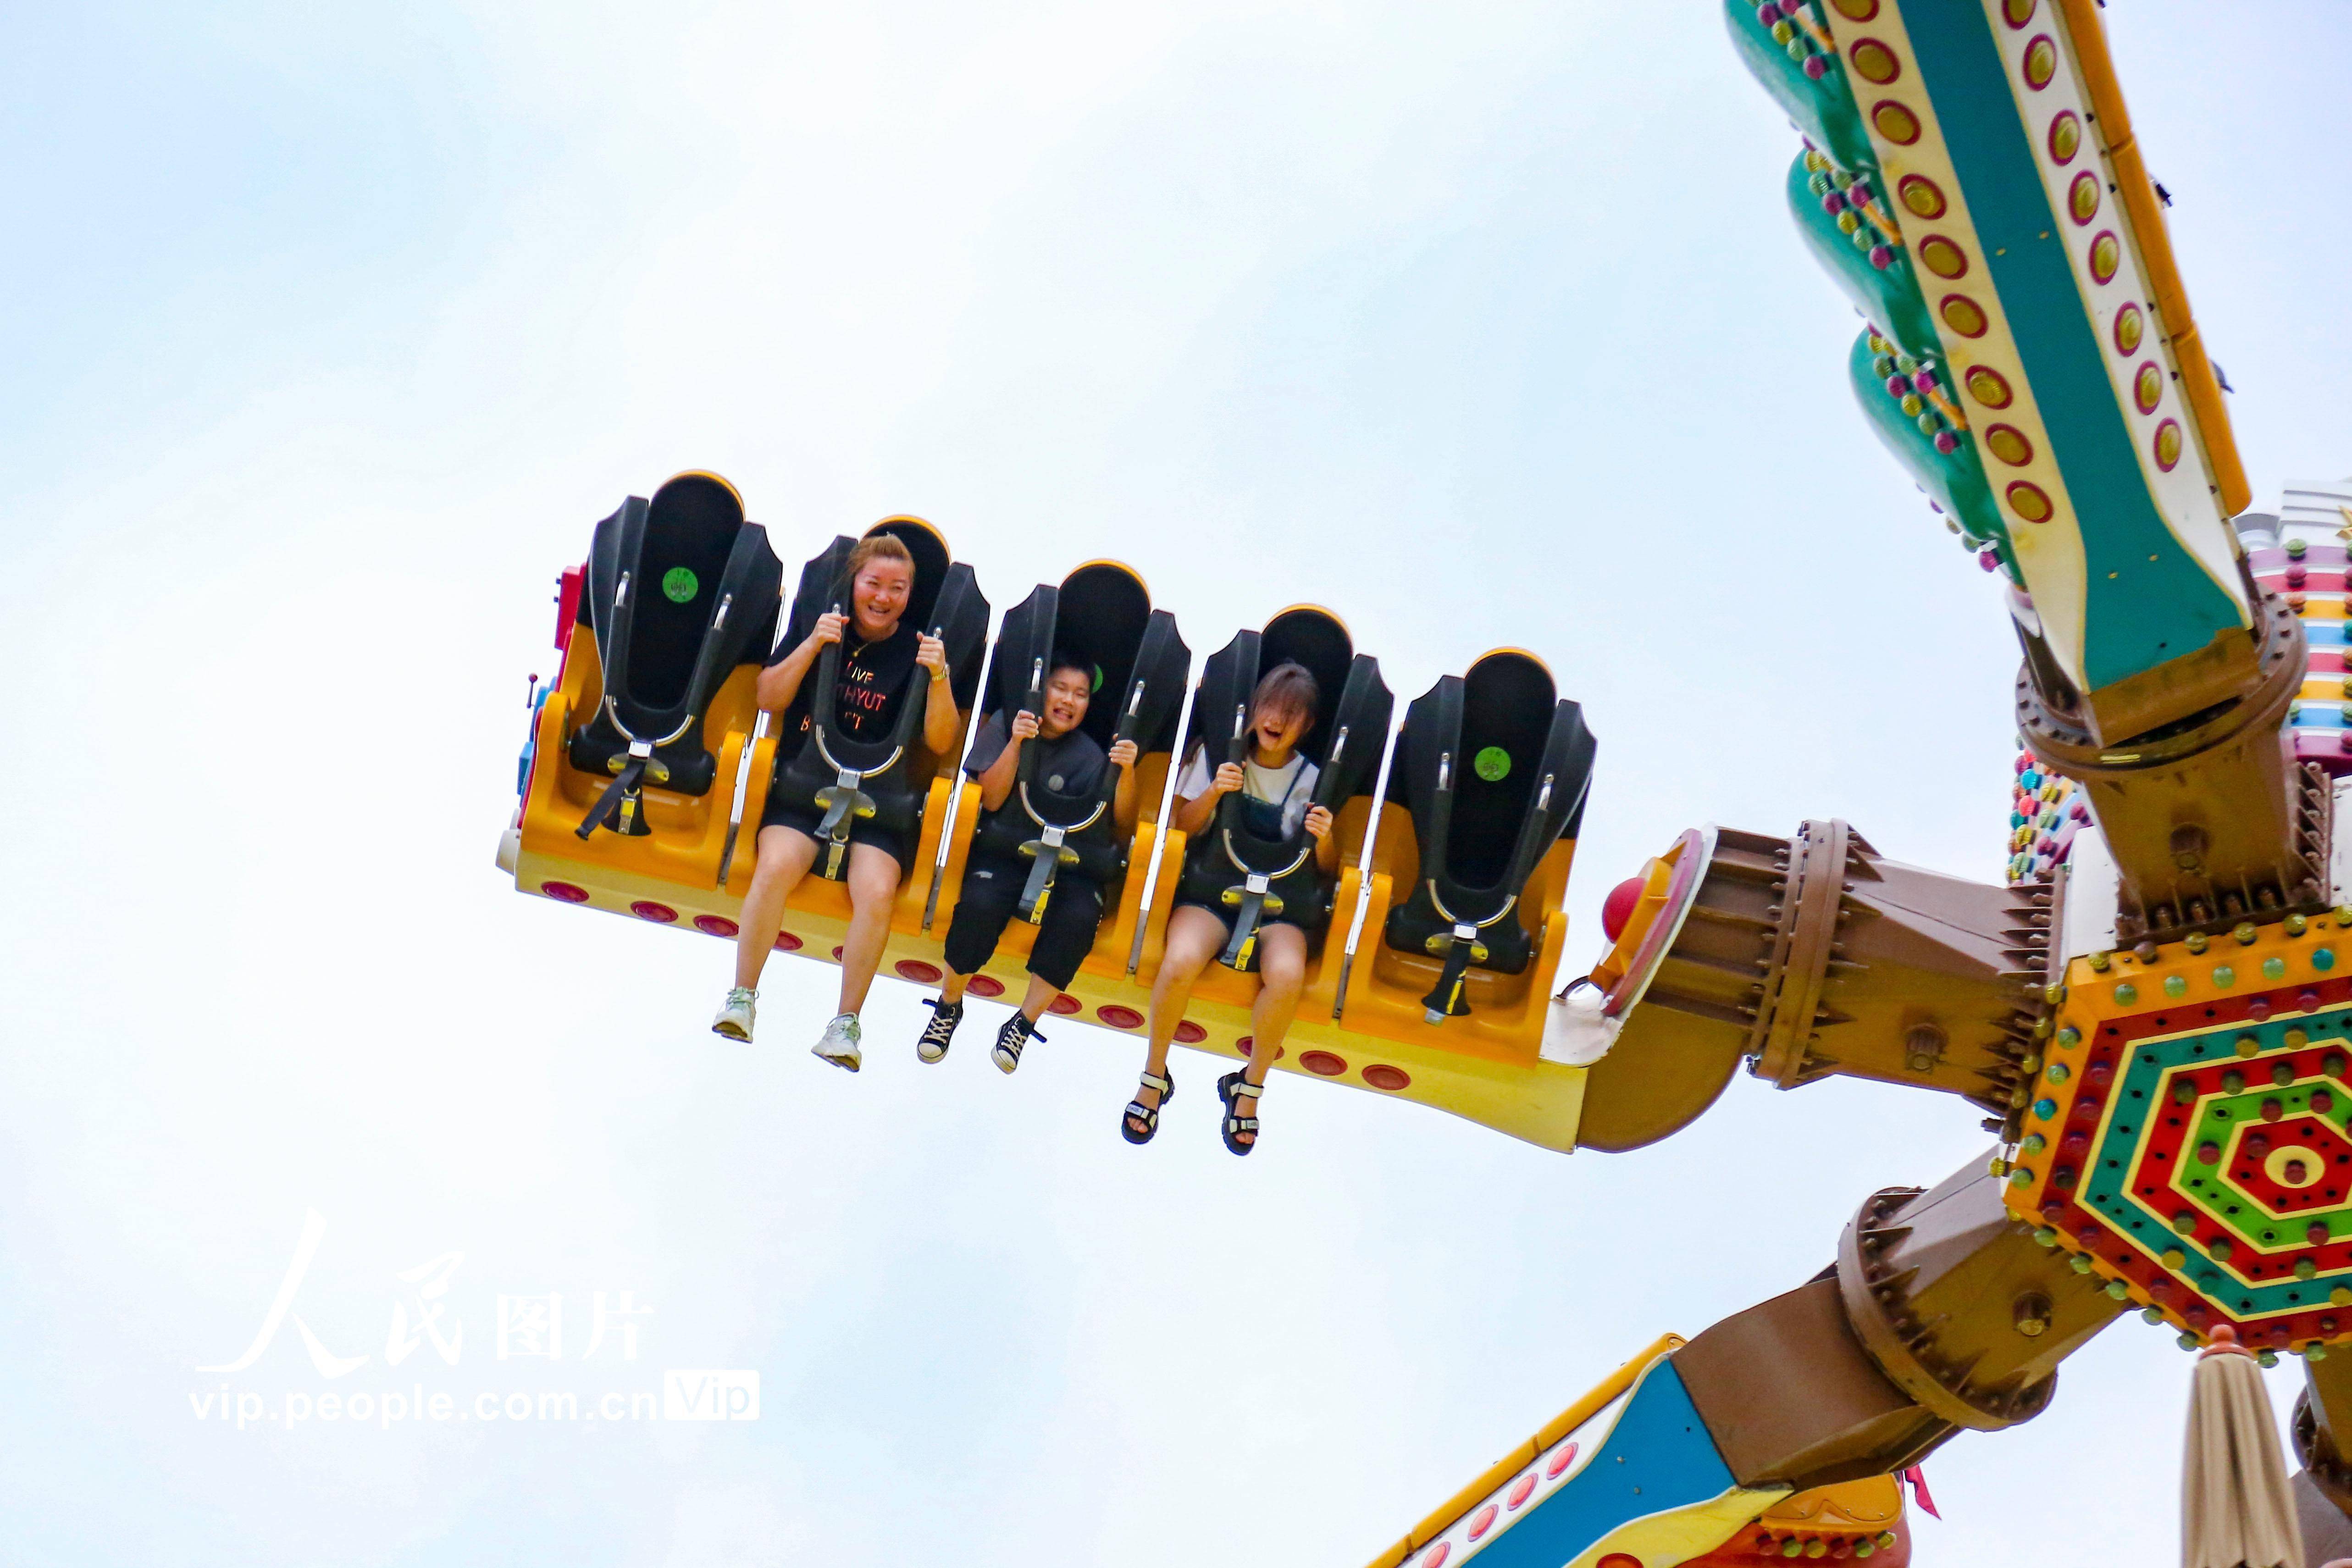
<point x="2192" y="1137"/>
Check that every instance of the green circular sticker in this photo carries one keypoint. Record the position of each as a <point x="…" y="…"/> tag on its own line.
<point x="680" y="585"/>
<point x="1493" y="764"/>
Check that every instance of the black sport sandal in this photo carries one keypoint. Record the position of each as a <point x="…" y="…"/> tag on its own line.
<point x="1232" y="1088"/>
<point x="1148" y="1115"/>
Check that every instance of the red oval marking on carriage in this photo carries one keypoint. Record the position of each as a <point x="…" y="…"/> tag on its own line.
<point x="660" y="914"/>
<point x="1323" y="1064"/>
<point x="1482" y="1521"/>
<point x="1245" y="1043"/>
<point x="716" y="925"/>
<point x="566" y="891"/>
<point x="836" y="955"/>
<point x="1560" y="1461"/>
<point x="1120" y="1017"/>
<point x="787" y="942"/>
<point x="1380" y="1075"/>
<point x="916" y="969"/>
<point x="1064" y="1004"/>
<point x="1619" y="1560"/>
<point x="1437" y="1558"/>
<point x="1521" y="1489"/>
<point x="983" y="985"/>
<point x="1188" y="1033"/>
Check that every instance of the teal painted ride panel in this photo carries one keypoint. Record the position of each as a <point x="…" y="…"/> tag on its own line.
<point x="1954" y="481"/>
<point x="1887" y="297"/>
<point x="1823" y="107"/>
<point x="2147" y="600"/>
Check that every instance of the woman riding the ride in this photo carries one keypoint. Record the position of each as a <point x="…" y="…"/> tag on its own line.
<point x="879" y="658"/>
<point x="1277" y="786"/>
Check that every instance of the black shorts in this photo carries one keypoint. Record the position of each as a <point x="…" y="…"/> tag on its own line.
<point x="862" y="830"/>
<point x="1225" y="918"/>
<point x="991" y="897"/>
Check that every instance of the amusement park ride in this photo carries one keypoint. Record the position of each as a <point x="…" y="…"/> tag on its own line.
<point x="2154" y="1017"/>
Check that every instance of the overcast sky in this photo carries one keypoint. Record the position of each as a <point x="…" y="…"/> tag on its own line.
<point x="328" y="332"/>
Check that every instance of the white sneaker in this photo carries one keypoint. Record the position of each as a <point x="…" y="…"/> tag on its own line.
<point x="734" y="1020"/>
<point x="839" y="1044"/>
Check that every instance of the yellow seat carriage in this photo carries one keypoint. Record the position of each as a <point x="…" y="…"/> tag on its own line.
<point x="649" y="762"/>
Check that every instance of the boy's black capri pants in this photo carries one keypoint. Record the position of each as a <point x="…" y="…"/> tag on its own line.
<point x="991" y="895"/>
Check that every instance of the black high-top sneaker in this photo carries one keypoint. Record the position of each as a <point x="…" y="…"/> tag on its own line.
<point x="932" y="1044"/>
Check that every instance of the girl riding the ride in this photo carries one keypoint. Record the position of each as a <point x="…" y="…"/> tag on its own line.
<point x="1277" y="786"/>
<point x="879" y="664"/>
<point x="1069" y="764"/>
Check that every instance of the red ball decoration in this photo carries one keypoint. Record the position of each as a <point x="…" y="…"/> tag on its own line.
<point x="1617" y="908"/>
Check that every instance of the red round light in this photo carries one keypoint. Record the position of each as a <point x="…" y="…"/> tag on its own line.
<point x="1120" y="1017"/>
<point x="1064" y="1004"/>
<point x="1618" y="907"/>
<point x="1437" y="1558"/>
<point x="1323" y="1064"/>
<point x="565" y="891"/>
<point x="660" y="914"/>
<point x="983" y="986"/>
<point x="836" y="955"/>
<point x="1188" y="1033"/>
<point x="916" y="969"/>
<point x="1245" y="1043"/>
<point x="787" y="942"/>
<point x="1619" y="1560"/>
<point x="1482" y="1521"/>
<point x="716" y="925"/>
<point x="1521" y="1489"/>
<point x="1380" y="1075"/>
<point x="1560" y="1461"/>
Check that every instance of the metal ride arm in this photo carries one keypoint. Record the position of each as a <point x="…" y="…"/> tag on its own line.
<point x="1810" y="956"/>
<point x="1942" y="1313"/>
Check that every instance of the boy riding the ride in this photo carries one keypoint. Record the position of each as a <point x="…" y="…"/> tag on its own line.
<point x="1069" y="764"/>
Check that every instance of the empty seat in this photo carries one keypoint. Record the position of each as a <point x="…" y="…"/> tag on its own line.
<point x="679" y="590"/>
<point x="1494" y="770"/>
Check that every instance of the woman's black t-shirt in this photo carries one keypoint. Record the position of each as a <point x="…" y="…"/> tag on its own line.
<point x="875" y="683"/>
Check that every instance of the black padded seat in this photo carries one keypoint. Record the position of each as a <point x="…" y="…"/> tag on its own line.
<point x="1493" y="768"/>
<point x="680" y="590"/>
